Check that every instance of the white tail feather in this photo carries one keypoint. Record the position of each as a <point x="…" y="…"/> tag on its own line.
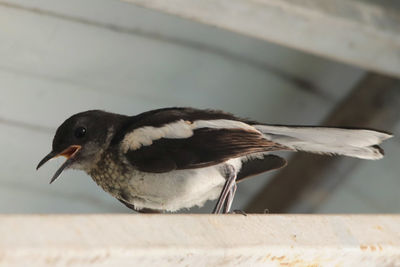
<point x="348" y="142"/>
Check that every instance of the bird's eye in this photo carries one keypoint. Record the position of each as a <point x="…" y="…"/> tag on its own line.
<point x="80" y="132"/>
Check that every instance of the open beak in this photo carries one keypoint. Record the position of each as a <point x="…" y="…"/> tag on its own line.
<point x="69" y="153"/>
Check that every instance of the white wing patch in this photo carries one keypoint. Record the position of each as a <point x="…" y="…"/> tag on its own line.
<point x="223" y="124"/>
<point x="146" y="135"/>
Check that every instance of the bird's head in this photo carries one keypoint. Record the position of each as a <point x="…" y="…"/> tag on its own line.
<point x="81" y="139"/>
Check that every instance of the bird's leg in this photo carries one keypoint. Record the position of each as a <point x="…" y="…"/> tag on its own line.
<point x="230" y="183"/>
<point x="229" y="198"/>
<point x="223" y="197"/>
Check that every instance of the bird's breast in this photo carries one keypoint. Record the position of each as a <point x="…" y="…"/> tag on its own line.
<point x="111" y="174"/>
<point x="169" y="191"/>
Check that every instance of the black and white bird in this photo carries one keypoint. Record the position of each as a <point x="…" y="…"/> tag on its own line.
<point x="174" y="158"/>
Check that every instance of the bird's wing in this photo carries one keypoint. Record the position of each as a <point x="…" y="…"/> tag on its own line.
<point x="184" y="148"/>
<point x="259" y="165"/>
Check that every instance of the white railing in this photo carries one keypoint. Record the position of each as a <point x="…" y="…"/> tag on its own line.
<point x="200" y="240"/>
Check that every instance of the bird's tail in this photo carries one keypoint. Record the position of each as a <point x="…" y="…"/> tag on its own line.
<point x="324" y="140"/>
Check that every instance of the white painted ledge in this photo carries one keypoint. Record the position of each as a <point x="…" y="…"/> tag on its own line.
<point x="350" y="31"/>
<point x="200" y="240"/>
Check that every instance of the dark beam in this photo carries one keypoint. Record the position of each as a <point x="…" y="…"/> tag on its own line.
<point x="308" y="179"/>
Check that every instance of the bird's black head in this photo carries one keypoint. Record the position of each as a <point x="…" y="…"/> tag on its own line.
<point x="82" y="138"/>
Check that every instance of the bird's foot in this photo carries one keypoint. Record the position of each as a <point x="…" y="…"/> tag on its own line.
<point x="238" y="212"/>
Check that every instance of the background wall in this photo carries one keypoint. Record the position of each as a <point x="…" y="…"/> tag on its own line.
<point x="62" y="57"/>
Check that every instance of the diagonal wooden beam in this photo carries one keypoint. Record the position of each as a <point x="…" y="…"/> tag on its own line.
<point x="350" y="31"/>
<point x="374" y="103"/>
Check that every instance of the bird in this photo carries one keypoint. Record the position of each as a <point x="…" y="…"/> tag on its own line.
<point x="175" y="158"/>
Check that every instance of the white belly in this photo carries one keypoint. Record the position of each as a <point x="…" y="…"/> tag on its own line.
<point x="177" y="189"/>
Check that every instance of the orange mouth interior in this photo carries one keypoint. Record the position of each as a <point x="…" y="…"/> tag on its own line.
<point x="70" y="151"/>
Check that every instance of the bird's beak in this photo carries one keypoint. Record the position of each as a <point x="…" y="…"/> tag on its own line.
<point x="69" y="153"/>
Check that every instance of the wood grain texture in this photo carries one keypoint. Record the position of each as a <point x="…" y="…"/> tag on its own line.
<point x="349" y="31"/>
<point x="199" y="240"/>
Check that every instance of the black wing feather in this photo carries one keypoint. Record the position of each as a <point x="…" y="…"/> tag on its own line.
<point x="257" y="166"/>
<point x="205" y="148"/>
